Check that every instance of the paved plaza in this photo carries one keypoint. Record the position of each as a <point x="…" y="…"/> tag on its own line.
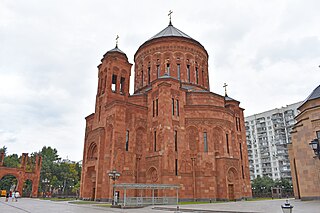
<point x="269" y="206"/>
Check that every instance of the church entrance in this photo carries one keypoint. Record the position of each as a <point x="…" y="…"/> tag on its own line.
<point x="93" y="194"/>
<point x="231" y="192"/>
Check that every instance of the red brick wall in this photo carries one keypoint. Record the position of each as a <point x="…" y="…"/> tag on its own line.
<point x="212" y="174"/>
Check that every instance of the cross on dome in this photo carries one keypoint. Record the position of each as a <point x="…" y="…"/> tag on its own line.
<point x="170" y="12"/>
<point x="225" y="89"/>
<point x="117" y="38"/>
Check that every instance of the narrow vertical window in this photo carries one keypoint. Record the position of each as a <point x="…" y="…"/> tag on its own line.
<point x="176" y="140"/>
<point x="202" y="78"/>
<point x="178" y="71"/>
<point x="172" y="106"/>
<point x="176" y="166"/>
<point x="237" y="127"/>
<point x="158" y="71"/>
<point x="155" y="141"/>
<point x="238" y="124"/>
<point x="114" y="83"/>
<point x="99" y="112"/>
<point x="122" y="81"/>
<point x="188" y="72"/>
<point x="227" y="140"/>
<point x="168" y="69"/>
<point x="205" y="142"/>
<point x="142" y="77"/>
<point x="240" y="151"/>
<point x="127" y="140"/>
<point x="197" y="75"/>
<point x="153" y="108"/>
<point x="178" y="113"/>
<point x="157" y="107"/>
<point x="242" y="172"/>
<point x="149" y="80"/>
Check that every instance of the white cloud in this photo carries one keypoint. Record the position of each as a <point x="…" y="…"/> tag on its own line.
<point x="267" y="51"/>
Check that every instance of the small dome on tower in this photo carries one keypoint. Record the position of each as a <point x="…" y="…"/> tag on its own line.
<point x="115" y="50"/>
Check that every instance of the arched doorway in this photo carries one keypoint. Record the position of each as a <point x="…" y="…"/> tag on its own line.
<point x="27" y="188"/>
<point x="232" y="181"/>
<point x="9" y="183"/>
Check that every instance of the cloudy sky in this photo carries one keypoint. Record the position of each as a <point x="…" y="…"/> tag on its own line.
<point x="268" y="52"/>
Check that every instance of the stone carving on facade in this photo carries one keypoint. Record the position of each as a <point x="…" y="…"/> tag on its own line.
<point x="186" y="164"/>
<point x="139" y="144"/>
<point x="208" y="122"/>
<point x="192" y="138"/>
<point x="171" y="159"/>
<point x="120" y="143"/>
<point x="315" y="124"/>
<point x="119" y="160"/>
<point x="110" y="119"/>
<point x="141" y="122"/>
<point x="153" y="174"/>
<point x="207" y="168"/>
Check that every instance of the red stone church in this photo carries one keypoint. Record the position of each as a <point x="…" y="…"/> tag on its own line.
<point x="171" y="130"/>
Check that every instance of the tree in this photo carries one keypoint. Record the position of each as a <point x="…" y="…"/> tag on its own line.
<point x="7" y="182"/>
<point x="262" y="184"/>
<point x="3" y="149"/>
<point x="49" y="159"/>
<point x="12" y="161"/>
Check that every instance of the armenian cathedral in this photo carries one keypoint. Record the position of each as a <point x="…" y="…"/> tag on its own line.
<point x="171" y="130"/>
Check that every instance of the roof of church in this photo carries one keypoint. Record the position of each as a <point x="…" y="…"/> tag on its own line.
<point x="314" y="95"/>
<point x="227" y="98"/>
<point x="116" y="49"/>
<point x="170" y="30"/>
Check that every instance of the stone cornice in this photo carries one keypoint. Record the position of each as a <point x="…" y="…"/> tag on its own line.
<point x="208" y="121"/>
<point x="208" y="107"/>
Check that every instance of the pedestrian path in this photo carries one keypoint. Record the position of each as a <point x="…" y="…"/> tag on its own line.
<point x="28" y="205"/>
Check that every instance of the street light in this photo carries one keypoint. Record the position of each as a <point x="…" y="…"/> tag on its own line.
<point x="314" y="144"/>
<point x="287" y="208"/>
<point x="114" y="175"/>
<point x="45" y="182"/>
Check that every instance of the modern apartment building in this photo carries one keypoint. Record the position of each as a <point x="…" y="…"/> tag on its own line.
<point x="268" y="134"/>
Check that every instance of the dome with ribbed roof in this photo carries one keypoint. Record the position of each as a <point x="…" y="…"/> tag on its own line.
<point x="171" y="31"/>
<point x="116" y="50"/>
<point x="314" y="95"/>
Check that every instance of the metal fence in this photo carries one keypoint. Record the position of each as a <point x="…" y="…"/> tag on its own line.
<point x="144" y="201"/>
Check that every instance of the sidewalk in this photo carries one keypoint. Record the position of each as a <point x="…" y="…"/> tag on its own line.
<point x="265" y="206"/>
<point x="27" y="205"/>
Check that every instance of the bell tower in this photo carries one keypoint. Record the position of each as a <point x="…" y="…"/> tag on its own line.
<point x="114" y="78"/>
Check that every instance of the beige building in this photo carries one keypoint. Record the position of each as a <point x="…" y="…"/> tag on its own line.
<point x="305" y="167"/>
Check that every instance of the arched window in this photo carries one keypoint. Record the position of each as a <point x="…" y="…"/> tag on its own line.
<point x="92" y="152"/>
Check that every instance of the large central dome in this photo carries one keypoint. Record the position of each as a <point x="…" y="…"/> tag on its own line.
<point x="171" y="53"/>
<point x="170" y="30"/>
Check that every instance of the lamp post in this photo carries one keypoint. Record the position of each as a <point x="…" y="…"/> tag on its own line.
<point x="113" y="175"/>
<point x="45" y="182"/>
<point x="286" y="208"/>
<point x="314" y="144"/>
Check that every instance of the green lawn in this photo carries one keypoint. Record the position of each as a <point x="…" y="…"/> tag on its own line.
<point x="57" y="199"/>
<point x="83" y="202"/>
<point x="260" y="198"/>
<point x="103" y="205"/>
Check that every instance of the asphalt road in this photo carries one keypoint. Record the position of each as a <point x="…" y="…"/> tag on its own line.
<point x="26" y="205"/>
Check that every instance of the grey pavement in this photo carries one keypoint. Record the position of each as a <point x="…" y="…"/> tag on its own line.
<point x="269" y="206"/>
